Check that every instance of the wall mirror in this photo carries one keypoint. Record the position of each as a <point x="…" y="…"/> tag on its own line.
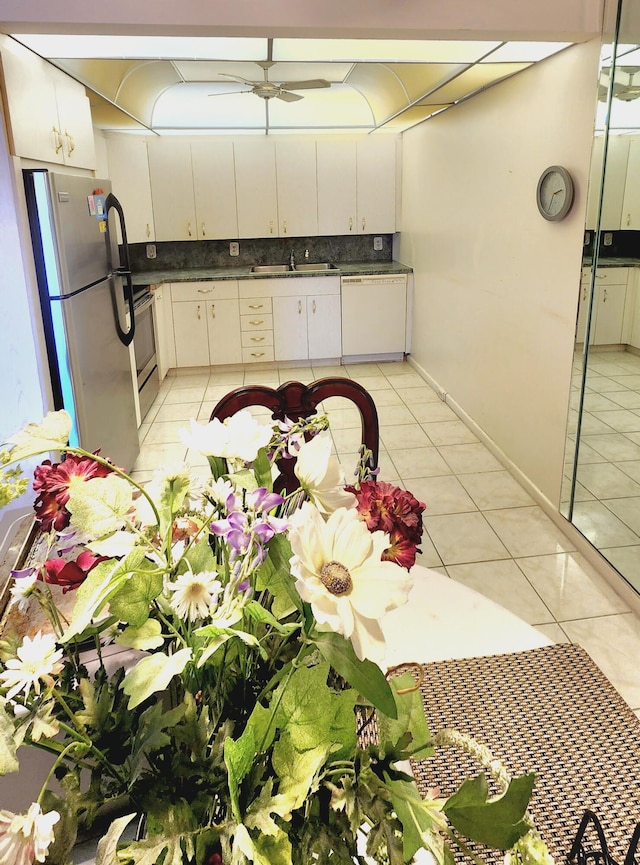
<point x="601" y="489"/>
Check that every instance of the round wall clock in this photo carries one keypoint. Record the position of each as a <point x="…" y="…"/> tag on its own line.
<point x="555" y="193"/>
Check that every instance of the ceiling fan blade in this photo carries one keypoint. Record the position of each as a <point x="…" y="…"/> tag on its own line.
<point x="288" y="97"/>
<point x="238" y="78"/>
<point x="309" y="84"/>
<point x="229" y="93"/>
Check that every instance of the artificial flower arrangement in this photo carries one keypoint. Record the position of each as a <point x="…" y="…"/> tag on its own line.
<point x="255" y="620"/>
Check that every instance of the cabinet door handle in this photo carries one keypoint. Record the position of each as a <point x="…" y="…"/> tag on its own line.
<point x="58" y="139"/>
<point x="604" y="299"/>
<point x="205" y="290"/>
<point x="257" y="354"/>
<point x="351" y="223"/>
<point x="257" y="339"/>
<point x="584" y="293"/>
<point x="364" y="222"/>
<point x="204" y="233"/>
<point x="198" y="311"/>
<point x="314" y="306"/>
<point x="256" y="305"/>
<point x="284" y="226"/>
<point x="189" y="229"/>
<point x="213" y="310"/>
<point x="271" y="226"/>
<point x="148" y="230"/>
<point x="299" y="307"/>
<point x="71" y="146"/>
<point x="256" y="323"/>
<point x="628" y="219"/>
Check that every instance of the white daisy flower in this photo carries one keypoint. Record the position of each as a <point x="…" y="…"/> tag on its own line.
<point x="22" y="589"/>
<point x="321" y="475"/>
<point x="220" y="490"/>
<point x="238" y="437"/>
<point x="195" y="596"/>
<point x="339" y="572"/>
<point x="26" y="838"/>
<point x="38" y="659"/>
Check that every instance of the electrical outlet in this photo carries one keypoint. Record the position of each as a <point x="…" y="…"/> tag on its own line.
<point x="608" y="238"/>
<point x="377" y="243"/>
<point x="587" y="238"/>
<point x="234" y="248"/>
<point x="151" y="250"/>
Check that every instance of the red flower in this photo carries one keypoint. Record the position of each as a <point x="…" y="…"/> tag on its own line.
<point x="51" y="481"/>
<point x="70" y="575"/>
<point x="402" y="551"/>
<point x="385" y="507"/>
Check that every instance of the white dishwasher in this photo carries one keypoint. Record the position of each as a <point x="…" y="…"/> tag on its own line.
<point x="374" y="315"/>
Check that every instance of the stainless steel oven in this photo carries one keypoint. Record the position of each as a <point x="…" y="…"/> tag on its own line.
<point x="144" y="348"/>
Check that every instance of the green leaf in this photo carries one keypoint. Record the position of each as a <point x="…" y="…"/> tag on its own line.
<point x="238" y="757"/>
<point x="245" y="479"/>
<point x="98" y="506"/>
<point x="200" y="556"/>
<point x="102" y="582"/>
<point x="151" y="850"/>
<point x="262" y="469"/>
<point x="497" y="822"/>
<point x="410" y="720"/>
<point x="413" y="812"/>
<point x="132" y="602"/>
<point x="107" y="846"/>
<point x="8" y="759"/>
<point x="297" y="771"/>
<point x="51" y="434"/>
<point x="365" y="676"/>
<point x="148" y="636"/>
<point x="274" y="575"/>
<point x="266" y="849"/>
<point x="152" y="674"/>
<point x="257" y="613"/>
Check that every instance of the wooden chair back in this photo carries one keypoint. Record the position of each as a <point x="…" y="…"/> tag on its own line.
<point x="295" y="400"/>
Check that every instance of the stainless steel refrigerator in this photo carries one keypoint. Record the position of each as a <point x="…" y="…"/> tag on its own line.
<point x="87" y="308"/>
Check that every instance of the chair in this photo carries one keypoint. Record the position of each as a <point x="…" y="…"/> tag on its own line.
<point x="295" y="400"/>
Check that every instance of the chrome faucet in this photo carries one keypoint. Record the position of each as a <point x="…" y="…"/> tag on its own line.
<point x="292" y="260"/>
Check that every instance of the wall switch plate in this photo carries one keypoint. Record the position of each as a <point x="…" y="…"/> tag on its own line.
<point x="234" y="248"/>
<point x="587" y="238"/>
<point x="151" y="250"/>
<point x="377" y="243"/>
<point x="608" y="238"/>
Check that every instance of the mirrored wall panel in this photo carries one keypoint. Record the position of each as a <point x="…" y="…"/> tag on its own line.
<point x="601" y="492"/>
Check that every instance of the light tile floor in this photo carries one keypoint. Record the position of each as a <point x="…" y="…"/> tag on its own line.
<point x="607" y="501"/>
<point x="482" y="528"/>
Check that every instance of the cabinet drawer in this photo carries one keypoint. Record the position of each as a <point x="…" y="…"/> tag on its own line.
<point x="253" y="305"/>
<point x="257" y="355"/>
<point x="223" y="290"/>
<point x="257" y="338"/>
<point x="257" y="321"/>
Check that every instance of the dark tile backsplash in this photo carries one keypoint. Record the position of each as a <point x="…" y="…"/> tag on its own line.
<point x="624" y="244"/>
<point x="272" y="250"/>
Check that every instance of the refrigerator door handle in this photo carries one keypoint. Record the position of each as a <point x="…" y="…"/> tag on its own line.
<point x="126" y="337"/>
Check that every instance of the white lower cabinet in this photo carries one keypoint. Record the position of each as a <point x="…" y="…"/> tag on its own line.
<point x="609" y="304"/>
<point x="206" y="323"/>
<point x="306" y="326"/>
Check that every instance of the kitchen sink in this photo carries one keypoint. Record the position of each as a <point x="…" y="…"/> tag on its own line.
<point x="270" y="268"/>
<point x="302" y="268"/>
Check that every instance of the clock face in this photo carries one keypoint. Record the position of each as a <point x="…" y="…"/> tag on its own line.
<point x="555" y="193"/>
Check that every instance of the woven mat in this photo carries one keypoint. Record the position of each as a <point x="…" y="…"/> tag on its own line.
<point x="550" y="711"/>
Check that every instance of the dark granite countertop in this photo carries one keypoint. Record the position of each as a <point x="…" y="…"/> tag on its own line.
<point x="198" y="274"/>
<point x="612" y="262"/>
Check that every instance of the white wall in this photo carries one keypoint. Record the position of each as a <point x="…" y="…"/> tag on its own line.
<point x="496" y="286"/>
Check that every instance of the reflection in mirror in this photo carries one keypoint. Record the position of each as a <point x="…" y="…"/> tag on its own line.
<point x="601" y="493"/>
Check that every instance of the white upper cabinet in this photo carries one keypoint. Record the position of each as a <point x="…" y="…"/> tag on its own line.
<point x="214" y="189"/>
<point x="612" y="202"/>
<point x="631" y="201"/>
<point x="376" y="185"/>
<point x="174" y="208"/>
<point x="48" y="113"/>
<point x="129" y="175"/>
<point x="336" y="173"/>
<point x="297" y="188"/>
<point x="256" y="188"/>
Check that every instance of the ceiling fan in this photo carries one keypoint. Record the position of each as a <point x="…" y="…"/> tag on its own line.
<point x="626" y="91"/>
<point x="266" y="89"/>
